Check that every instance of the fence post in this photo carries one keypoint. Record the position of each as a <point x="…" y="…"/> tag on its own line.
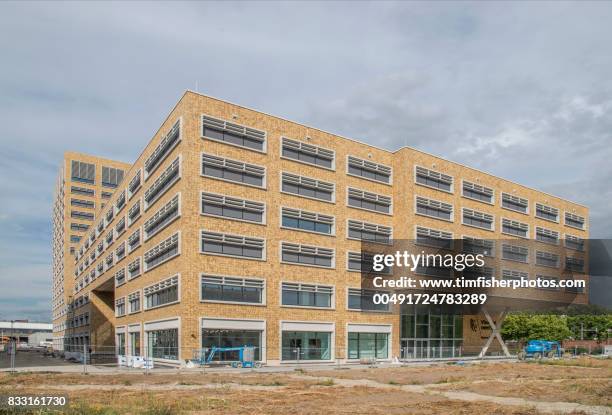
<point x="84" y="358"/>
<point x="13" y="351"/>
<point x="146" y="361"/>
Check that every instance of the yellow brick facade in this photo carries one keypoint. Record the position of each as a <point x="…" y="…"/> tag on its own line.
<point x="188" y="313"/>
<point x="62" y="245"/>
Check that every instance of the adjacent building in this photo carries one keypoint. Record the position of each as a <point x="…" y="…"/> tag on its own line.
<point x="83" y="187"/>
<point x="236" y="227"/>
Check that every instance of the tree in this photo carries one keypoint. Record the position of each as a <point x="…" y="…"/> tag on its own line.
<point x="590" y="326"/>
<point x="525" y="326"/>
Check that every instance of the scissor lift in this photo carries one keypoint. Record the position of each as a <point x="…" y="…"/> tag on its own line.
<point x="246" y="356"/>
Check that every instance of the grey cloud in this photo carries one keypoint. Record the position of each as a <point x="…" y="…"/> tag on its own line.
<point x="521" y="90"/>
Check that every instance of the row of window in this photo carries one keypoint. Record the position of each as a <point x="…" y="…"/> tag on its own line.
<point x="158" y="188"/>
<point x="159" y="220"/>
<point x="254" y="139"/>
<point x="254" y="248"/>
<point x="86" y="173"/>
<point x="470" y="217"/>
<point x="297" y="345"/>
<point x="242" y="136"/>
<point x="239" y="290"/>
<point x="439" y="181"/>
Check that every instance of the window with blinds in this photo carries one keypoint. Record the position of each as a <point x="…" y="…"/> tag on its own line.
<point x="547" y="236"/>
<point x="307" y="255"/>
<point x="474" y="273"/>
<point x="433" y="179"/>
<point x="573" y="242"/>
<point x="369" y="232"/>
<point x="478" y="219"/>
<point x="233" y="208"/>
<point x="233" y="170"/>
<point x="547" y="259"/>
<point x="307" y="187"/>
<point x="369" y="201"/>
<point x="515" y="203"/>
<point x="162" y="218"/>
<point x="364" y="262"/>
<point x="232" y="245"/>
<point x="509" y="274"/>
<point x="515" y="228"/>
<point x="119" y="277"/>
<point x="134" y="268"/>
<point x="574" y="264"/>
<point x="111" y="176"/>
<point x="308" y="153"/>
<point x="162" y="252"/>
<point x="434" y="208"/>
<point x="234" y="134"/>
<point x="134" y="240"/>
<point x="82" y="203"/>
<point x="306" y="295"/>
<point x="120" y="203"/>
<point x="477" y="192"/>
<point x="574" y="221"/>
<point x="134" y="213"/>
<point x="485" y="247"/>
<point x="434" y="238"/>
<point x="163" y="149"/>
<point x="163" y="293"/>
<point x="368" y="170"/>
<point x="307" y="221"/>
<point x="232" y="289"/>
<point x="515" y="253"/>
<point x="134" y="302"/>
<point x="83" y="172"/>
<point x="547" y="212"/>
<point x="135" y="184"/>
<point x="163" y="183"/>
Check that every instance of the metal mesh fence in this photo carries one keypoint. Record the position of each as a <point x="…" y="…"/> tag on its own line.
<point x="87" y="357"/>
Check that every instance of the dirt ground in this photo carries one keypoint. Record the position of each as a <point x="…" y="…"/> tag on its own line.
<point x="573" y="387"/>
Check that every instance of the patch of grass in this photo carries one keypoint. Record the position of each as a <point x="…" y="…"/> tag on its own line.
<point x="326" y="382"/>
<point x="127" y="382"/>
<point x="450" y="379"/>
<point x="582" y="362"/>
<point x="392" y="382"/>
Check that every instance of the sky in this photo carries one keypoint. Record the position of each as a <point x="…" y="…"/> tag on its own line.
<point x="521" y="90"/>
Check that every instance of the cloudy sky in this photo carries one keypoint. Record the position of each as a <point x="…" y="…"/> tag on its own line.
<point x="521" y="90"/>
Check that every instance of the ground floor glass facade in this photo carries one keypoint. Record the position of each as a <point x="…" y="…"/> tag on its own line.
<point x="231" y="338"/>
<point x="430" y="332"/>
<point x="306" y="345"/>
<point x="163" y="344"/>
<point x="368" y="345"/>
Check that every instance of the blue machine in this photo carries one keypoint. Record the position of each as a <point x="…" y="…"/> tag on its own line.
<point x="246" y="356"/>
<point x="538" y="349"/>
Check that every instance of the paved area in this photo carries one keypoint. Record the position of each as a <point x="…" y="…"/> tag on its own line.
<point x="35" y="361"/>
<point x="31" y="359"/>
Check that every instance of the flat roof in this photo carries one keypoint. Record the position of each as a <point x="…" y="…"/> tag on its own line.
<point x="21" y="325"/>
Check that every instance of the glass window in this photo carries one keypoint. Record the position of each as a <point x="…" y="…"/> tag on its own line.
<point x="135" y="343"/>
<point x="163" y="344"/>
<point x="367" y="345"/>
<point x="306" y="345"/>
<point x="230" y="338"/>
